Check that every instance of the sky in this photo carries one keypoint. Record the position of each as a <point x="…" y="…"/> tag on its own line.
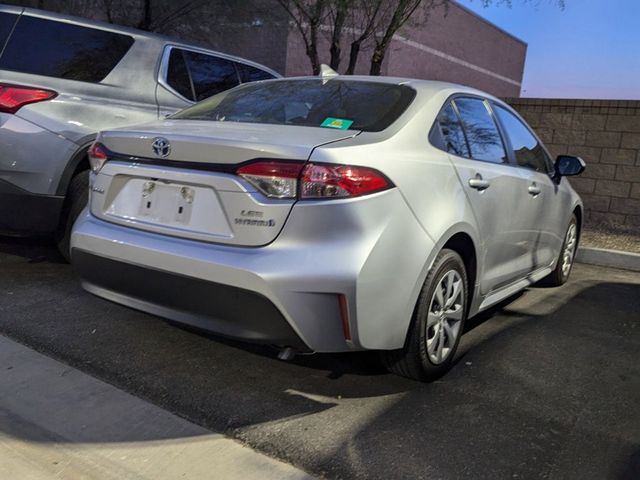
<point x="589" y="50"/>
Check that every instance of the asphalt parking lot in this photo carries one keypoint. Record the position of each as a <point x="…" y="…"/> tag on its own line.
<point x="546" y="386"/>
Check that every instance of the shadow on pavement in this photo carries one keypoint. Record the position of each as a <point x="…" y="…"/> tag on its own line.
<point x="34" y="249"/>
<point x="550" y="396"/>
<point x="547" y="384"/>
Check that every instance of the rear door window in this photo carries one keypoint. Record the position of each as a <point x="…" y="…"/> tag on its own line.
<point x="252" y="74"/>
<point x="210" y="75"/>
<point x="178" y="76"/>
<point x="527" y="149"/>
<point x="7" y="21"/>
<point x="197" y="76"/>
<point x="452" y="137"/>
<point x="57" y="49"/>
<point x="482" y="132"/>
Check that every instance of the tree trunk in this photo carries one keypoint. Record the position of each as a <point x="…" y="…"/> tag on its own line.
<point x="376" y="60"/>
<point x="336" y="37"/>
<point x="402" y="13"/>
<point x="312" y="53"/>
<point x="312" y="44"/>
<point x="353" y="57"/>
<point x="145" y="23"/>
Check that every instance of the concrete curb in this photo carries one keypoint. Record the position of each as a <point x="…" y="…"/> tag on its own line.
<point x="58" y="422"/>
<point x="609" y="258"/>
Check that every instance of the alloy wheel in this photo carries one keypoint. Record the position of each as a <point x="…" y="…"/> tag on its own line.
<point x="569" y="249"/>
<point x="444" y="319"/>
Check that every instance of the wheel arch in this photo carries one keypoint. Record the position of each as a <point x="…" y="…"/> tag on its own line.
<point x="78" y="163"/>
<point x="578" y="212"/>
<point x="463" y="245"/>
<point x="463" y="239"/>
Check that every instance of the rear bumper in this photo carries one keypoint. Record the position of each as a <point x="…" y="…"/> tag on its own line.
<point x="229" y="311"/>
<point x="23" y="213"/>
<point x="371" y="252"/>
<point x="226" y="290"/>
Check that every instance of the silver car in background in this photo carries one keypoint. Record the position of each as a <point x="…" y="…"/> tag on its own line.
<point x="329" y="215"/>
<point x="63" y="79"/>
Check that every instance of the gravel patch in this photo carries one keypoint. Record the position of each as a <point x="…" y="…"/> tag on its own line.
<point x="611" y="238"/>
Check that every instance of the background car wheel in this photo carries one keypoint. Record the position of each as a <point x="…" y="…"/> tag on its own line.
<point x="437" y="324"/>
<point x="77" y="197"/>
<point x="567" y="255"/>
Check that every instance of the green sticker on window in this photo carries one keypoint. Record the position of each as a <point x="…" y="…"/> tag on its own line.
<point x="339" y="123"/>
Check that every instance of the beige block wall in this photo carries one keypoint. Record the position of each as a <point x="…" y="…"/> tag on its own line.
<point x="606" y="134"/>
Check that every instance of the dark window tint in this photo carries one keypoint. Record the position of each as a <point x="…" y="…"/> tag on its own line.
<point x="210" y="75"/>
<point x="343" y="104"/>
<point x="7" y="20"/>
<point x="451" y="132"/>
<point x="482" y="133"/>
<point x="56" y="49"/>
<point x="178" y="74"/>
<point x="528" y="151"/>
<point x="252" y="74"/>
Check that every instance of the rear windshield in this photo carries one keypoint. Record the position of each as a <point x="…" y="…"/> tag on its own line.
<point x="7" y="20"/>
<point x="339" y="104"/>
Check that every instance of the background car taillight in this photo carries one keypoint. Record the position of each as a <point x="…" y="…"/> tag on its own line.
<point x="13" y="97"/>
<point x="97" y="154"/>
<point x="312" y="180"/>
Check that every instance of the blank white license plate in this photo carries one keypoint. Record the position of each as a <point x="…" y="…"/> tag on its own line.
<point x="166" y="203"/>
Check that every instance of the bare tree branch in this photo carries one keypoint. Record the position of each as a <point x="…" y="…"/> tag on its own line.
<point x="307" y="16"/>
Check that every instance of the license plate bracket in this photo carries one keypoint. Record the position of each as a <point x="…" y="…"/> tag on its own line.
<point x="166" y="203"/>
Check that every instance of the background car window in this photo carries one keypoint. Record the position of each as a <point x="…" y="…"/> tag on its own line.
<point x="483" y="135"/>
<point x="528" y="151"/>
<point x="252" y="74"/>
<point x="6" y="24"/>
<point x="62" y="50"/>
<point x="178" y="74"/>
<point x="452" y="134"/>
<point x="210" y="75"/>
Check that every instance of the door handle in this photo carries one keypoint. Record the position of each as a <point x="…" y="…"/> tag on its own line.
<point x="534" y="189"/>
<point x="479" y="183"/>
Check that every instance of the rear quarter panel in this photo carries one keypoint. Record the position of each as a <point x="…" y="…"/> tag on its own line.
<point x="437" y="209"/>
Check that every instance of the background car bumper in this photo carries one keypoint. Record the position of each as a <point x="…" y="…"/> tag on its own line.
<point x="22" y="212"/>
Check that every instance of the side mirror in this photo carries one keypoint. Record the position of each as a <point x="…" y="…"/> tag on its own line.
<point x="567" y="166"/>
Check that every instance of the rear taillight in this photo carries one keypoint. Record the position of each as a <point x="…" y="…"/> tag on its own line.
<point x="312" y="180"/>
<point x="97" y="156"/>
<point x="13" y="97"/>
<point x="274" y="179"/>
<point x="336" y="181"/>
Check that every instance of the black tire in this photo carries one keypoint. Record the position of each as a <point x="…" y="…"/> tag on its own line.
<point x="559" y="276"/>
<point x="77" y="197"/>
<point x="413" y="360"/>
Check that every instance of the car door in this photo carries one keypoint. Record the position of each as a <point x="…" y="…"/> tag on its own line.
<point x="546" y="218"/>
<point x="493" y="188"/>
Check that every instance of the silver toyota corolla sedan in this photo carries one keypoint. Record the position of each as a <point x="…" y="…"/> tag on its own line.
<point x="329" y="215"/>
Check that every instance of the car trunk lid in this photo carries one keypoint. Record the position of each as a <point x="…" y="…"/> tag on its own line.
<point x="177" y="178"/>
<point x="222" y="142"/>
